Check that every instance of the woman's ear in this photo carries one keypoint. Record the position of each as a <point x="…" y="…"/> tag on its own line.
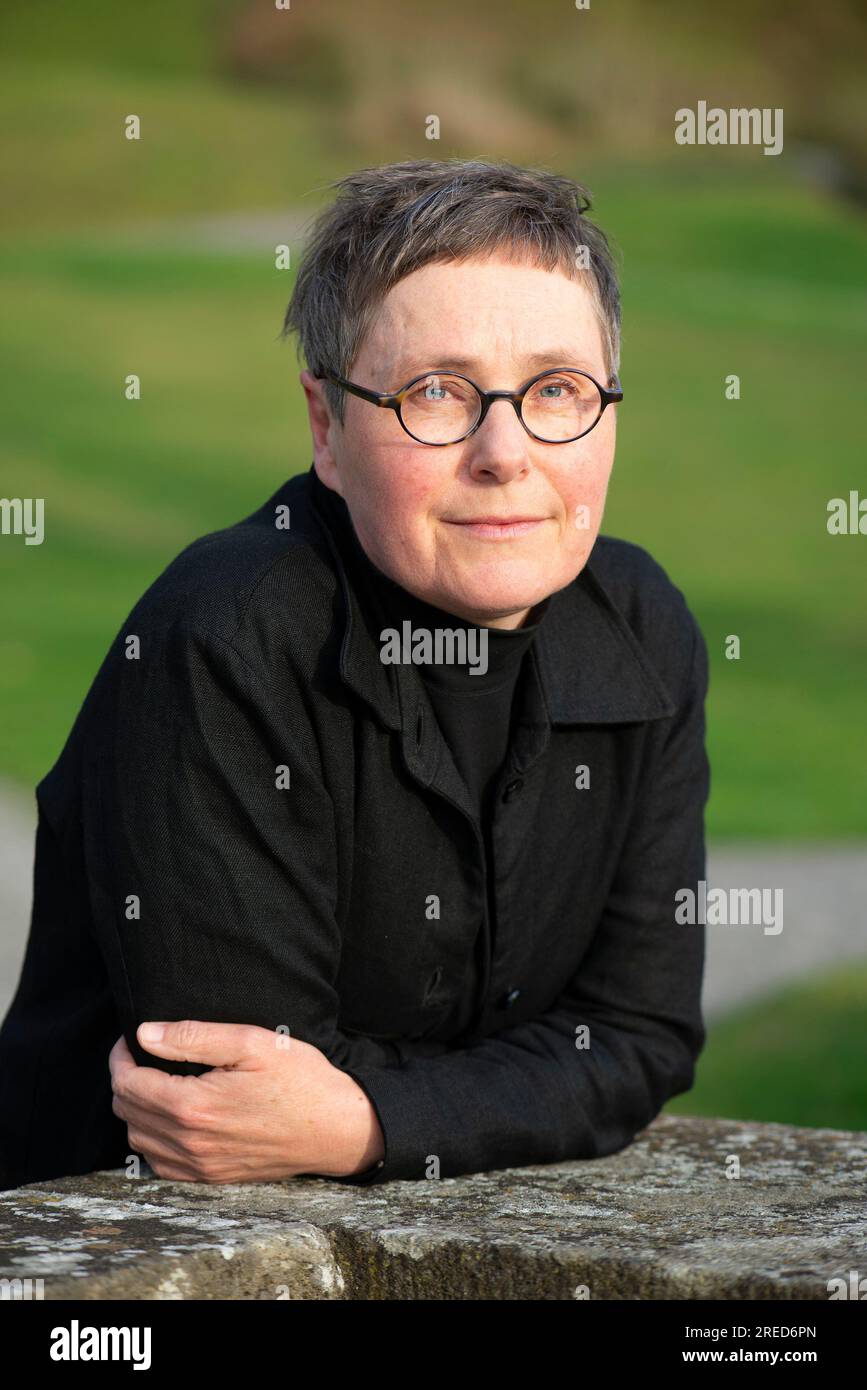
<point x="322" y="427"/>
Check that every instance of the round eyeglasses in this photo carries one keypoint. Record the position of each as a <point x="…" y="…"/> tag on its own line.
<point x="557" y="406"/>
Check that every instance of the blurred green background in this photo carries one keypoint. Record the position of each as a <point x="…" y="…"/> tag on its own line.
<point x="157" y="257"/>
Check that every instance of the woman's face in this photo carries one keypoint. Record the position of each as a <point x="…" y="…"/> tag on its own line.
<point x="417" y="509"/>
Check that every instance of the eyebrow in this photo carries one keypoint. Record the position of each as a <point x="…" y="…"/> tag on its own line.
<point x="536" y="361"/>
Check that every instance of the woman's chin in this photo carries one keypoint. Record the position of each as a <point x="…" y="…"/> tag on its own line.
<point x="493" y="608"/>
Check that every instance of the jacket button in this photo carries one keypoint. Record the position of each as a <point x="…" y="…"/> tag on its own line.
<point x="513" y="789"/>
<point x="507" y="1000"/>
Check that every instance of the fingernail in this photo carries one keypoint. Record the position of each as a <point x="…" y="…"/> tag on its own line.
<point x="151" y="1032"/>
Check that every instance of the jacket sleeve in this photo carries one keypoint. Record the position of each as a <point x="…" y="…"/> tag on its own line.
<point x="210" y="850"/>
<point x="532" y="1093"/>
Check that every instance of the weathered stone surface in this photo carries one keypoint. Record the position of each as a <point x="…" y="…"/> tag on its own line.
<point x="658" y="1220"/>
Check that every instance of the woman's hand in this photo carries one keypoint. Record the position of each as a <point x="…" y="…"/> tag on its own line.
<point x="273" y="1108"/>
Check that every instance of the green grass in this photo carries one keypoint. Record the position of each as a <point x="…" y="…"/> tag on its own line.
<point x="204" y="147"/>
<point x="731" y="496"/>
<point x="798" y="1057"/>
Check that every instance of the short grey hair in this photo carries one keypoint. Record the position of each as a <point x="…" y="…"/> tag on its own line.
<point x="390" y="220"/>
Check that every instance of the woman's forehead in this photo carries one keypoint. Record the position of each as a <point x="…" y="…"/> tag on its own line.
<point x="463" y="312"/>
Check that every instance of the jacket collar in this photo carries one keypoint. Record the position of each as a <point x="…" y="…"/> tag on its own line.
<point x="591" y="666"/>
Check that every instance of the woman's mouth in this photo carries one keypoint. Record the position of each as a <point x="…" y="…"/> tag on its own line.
<point x="493" y="528"/>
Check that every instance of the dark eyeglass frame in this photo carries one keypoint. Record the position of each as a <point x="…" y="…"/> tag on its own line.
<point x="393" y="400"/>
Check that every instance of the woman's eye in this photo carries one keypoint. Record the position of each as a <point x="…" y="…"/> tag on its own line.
<point x="430" y="391"/>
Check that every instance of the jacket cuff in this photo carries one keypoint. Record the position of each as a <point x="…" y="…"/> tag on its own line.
<point x="406" y="1131"/>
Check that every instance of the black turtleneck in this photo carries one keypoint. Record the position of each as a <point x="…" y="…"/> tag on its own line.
<point x="474" y="711"/>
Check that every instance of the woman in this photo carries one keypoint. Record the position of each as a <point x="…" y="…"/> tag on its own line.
<point x="382" y="796"/>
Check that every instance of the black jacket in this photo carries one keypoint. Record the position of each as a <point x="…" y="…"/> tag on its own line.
<point x="179" y="876"/>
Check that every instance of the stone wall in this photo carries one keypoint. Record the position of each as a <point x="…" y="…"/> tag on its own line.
<point x="659" y="1220"/>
